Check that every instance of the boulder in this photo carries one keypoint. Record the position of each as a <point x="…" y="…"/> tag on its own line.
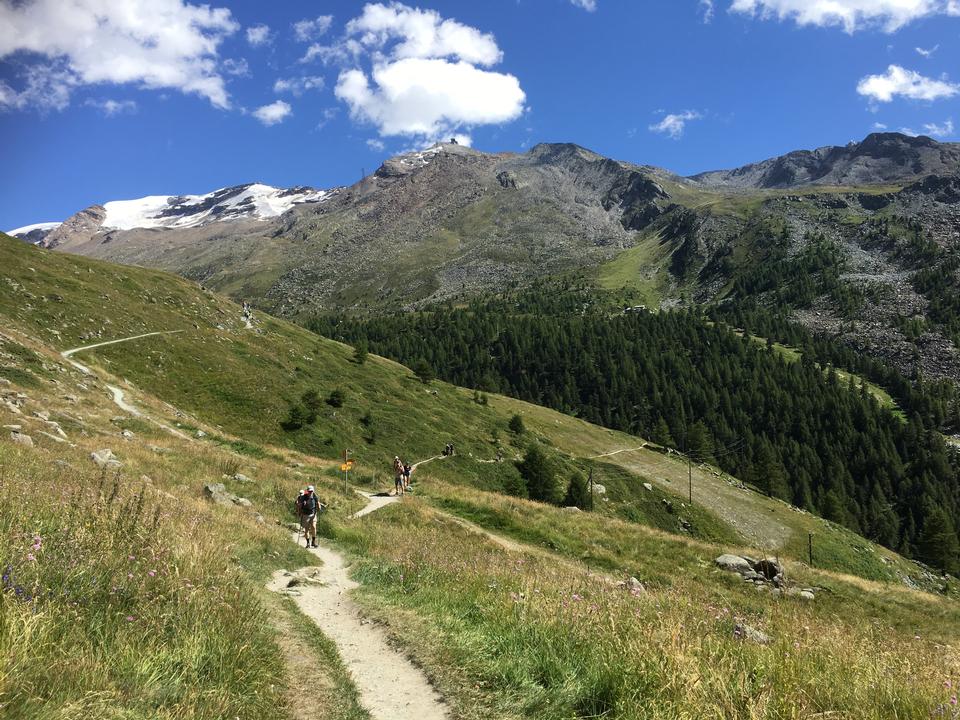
<point x="599" y="489"/>
<point x="735" y="563"/>
<point x="240" y="477"/>
<point x="105" y="459"/>
<point x="572" y="508"/>
<point x="769" y="567"/>
<point x="648" y="486"/>
<point x="21" y="439"/>
<point x="744" y="632"/>
<point x="127" y="435"/>
<point x="241" y="501"/>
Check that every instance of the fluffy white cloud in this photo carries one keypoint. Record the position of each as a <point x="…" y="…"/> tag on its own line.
<point x="706" y="7"/>
<point x="933" y="130"/>
<point x="150" y="43"/>
<point x="273" y="113"/>
<point x="258" y="35"/>
<point x="239" y="68"/>
<point x="307" y="30"/>
<point x="427" y="76"/>
<point x="430" y="96"/>
<point x="421" y="34"/>
<point x="905" y="83"/>
<point x="298" y="85"/>
<point x="675" y="123"/>
<point x="852" y="15"/>
<point x="112" y="107"/>
<point x="927" y="52"/>
<point x="588" y="5"/>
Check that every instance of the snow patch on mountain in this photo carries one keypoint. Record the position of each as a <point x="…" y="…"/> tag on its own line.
<point x="27" y="229"/>
<point x="256" y="201"/>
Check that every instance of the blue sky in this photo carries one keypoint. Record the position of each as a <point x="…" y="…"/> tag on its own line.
<point x="108" y="99"/>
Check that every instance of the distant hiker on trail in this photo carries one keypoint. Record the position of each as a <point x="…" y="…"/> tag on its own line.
<point x="308" y="507"/>
<point x="397" y="475"/>
<point x="407" y="472"/>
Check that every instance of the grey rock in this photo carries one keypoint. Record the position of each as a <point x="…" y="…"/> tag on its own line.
<point x="21" y="439"/>
<point x="127" y="435"/>
<point x="648" y="486"/>
<point x="572" y="508"/>
<point x="105" y="459"/>
<point x="734" y="563"/>
<point x="743" y="631"/>
<point x="241" y="478"/>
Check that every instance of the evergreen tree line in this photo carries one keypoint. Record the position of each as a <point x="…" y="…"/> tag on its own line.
<point x="789" y="428"/>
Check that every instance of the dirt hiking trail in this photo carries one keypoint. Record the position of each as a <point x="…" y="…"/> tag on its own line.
<point x="391" y="687"/>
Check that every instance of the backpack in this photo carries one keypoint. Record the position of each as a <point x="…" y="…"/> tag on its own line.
<point x="308" y="504"/>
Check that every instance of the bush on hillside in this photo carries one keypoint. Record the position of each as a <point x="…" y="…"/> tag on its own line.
<point x="541" y="476"/>
<point x="516" y="425"/>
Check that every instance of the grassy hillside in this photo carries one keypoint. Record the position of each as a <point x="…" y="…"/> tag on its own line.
<point x="539" y="632"/>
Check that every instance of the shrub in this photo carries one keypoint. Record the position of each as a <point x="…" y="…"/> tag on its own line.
<point x="516" y="425"/>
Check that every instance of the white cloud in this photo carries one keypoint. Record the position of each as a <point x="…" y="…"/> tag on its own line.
<point x="376" y="145"/>
<point x="326" y="116"/>
<point x="706" y="6"/>
<point x="421" y="34"/>
<point x="273" y="113"/>
<point x="905" y="83"/>
<point x="297" y="86"/>
<point x="238" y="68"/>
<point x="429" y="96"/>
<point x="112" y="107"/>
<point x="426" y="78"/>
<point x="588" y="5"/>
<point x="675" y="123"/>
<point x="258" y="35"/>
<point x="928" y="53"/>
<point x="307" y="30"/>
<point x="943" y="130"/>
<point x="150" y="43"/>
<point x="852" y="15"/>
<point x="879" y="126"/>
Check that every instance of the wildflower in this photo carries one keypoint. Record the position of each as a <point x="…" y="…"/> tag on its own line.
<point x="129" y="576"/>
<point x="576" y="598"/>
<point x="953" y="700"/>
<point x="152" y="573"/>
<point x="31" y="557"/>
<point x="130" y="618"/>
<point x="946" y="684"/>
<point x="131" y="557"/>
<point x="37" y="542"/>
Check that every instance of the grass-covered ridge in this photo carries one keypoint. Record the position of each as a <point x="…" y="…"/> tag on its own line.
<point x="538" y="632"/>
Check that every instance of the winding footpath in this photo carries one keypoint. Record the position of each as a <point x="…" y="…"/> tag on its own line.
<point x="391" y="686"/>
<point x="116" y="394"/>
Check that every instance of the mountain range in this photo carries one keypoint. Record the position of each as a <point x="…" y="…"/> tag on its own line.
<point x="452" y="222"/>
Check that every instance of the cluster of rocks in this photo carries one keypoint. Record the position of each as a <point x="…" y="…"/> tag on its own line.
<point x="106" y="460"/>
<point x="765" y="572"/>
<point x="300" y="578"/>
<point x="218" y="493"/>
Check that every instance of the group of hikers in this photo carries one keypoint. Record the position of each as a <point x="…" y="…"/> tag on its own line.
<point x="309" y="505"/>
<point x="401" y="475"/>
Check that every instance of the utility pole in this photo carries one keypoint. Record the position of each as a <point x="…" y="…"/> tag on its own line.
<point x="590" y="485"/>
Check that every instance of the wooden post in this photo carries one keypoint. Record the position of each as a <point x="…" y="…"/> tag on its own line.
<point x="690" y="478"/>
<point x="590" y="484"/>
<point x="810" y="547"/>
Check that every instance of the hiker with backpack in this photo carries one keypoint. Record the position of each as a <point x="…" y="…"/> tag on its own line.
<point x="308" y="507"/>
<point x="407" y="472"/>
<point x="398" y="475"/>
